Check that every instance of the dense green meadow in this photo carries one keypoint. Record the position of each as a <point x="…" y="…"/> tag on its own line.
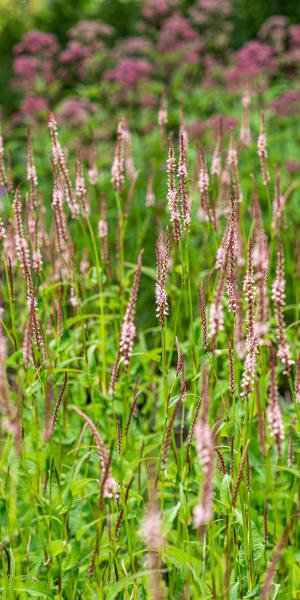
<point x="149" y="340"/>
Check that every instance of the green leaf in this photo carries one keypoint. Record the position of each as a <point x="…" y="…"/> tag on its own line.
<point x="183" y="559"/>
<point x="225" y="495"/>
<point x="56" y="547"/>
<point x="112" y="590"/>
<point x="234" y="591"/>
<point x="78" y="486"/>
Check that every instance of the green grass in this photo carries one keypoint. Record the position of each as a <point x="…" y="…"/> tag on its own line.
<point x="54" y="524"/>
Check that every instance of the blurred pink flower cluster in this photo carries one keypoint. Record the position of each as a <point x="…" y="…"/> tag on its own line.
<point x="276" y="51"/>
<point x="253" y="59"/>
<point x="129" y="71"/>
<point x="191" y="46"/>
<point x="154" y="10"/>
<point x="35" y="57"/>
<point x="179" y="39"/>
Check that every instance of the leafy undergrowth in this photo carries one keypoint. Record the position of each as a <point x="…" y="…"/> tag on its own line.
<point x="149" y="384"/>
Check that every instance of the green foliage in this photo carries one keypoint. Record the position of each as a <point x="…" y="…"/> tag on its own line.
<point x="60" y="537"/>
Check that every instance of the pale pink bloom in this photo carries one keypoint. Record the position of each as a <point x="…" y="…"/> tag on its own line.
<point x="128" y="332"/>
<point x="59" y="161"/>
<point x="182" y="174"/>
<point x="232" y="287"/>
<point x="74" y="301"/>
<point x="84" y="266"/>
<point x="232" y="157"/>
<point x="129" y="164"/>
<point x="102" y="229"/>
<point x="163" y="117"/>
<point x="275" y="421"/>
<point x="262" y="149"/>
<point x="31" y="170"/>
<point x="172" y="196"/>
<point x="117" y="170"/>
<point x="220" y="256"/>
<point x="128" y="329"/>
<point x="216" y="315"/>
<point x="245" y="135"/>
<point x="278" y="297"/>
<point x="80" y="187"/>
<point x="274" y="411"/>
<point x="250" y="292"/>
<point x="93" y="174"/>
<point x="2" y="230"/>
<point x="205" y="448"/>
<point x="279" y="203"/>
<point x="37" y="260"/>
<point x="216" y="166"/>
<point x="222" y="250"/>
<point x="150" y="197"/>
<point x="203" y="180"/>
<point x="151" y="530"/>
<point x="203" y="183"/>
<point x="216" y="318"/>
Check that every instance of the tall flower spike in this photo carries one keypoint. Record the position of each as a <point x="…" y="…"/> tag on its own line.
<point x="28" y="339"/>
<point x="203" y="183"/>
<point x="262" y="149"/>
<point x="232" y="167"/>
<point x="245" y="135"/>
<point x="278" y="204"/>
<point x="261" y="262"/>
<point x="240" y="474"/>
<point x="37" y="261"/>
<point x="152" y="535"/>
<point x="49" y="432"/>
<point x="117" y="170"/>
<point x="182" y="174"/>
<point x="81" y="192"/>
<point x="150" y="197"/>
<point x="274" y="411"/>
<point x="109" y="484"/>
<point x="59" y="160"/>
<point x="205" y="447"/>
<point x="163" y="118"/>
<point x="22" y="249"/>
<point x="129" y="164"/>
<point x="232" y="286"/>
<point x="251" y="340"/>
<point x="297" y="381"/>
<point x="278" y="297"/>
<point x="216" y="315"/>
<point x="3" y="178"/>
<point x="128" y="330"/>
<point x="232" y="157"/>
<point x="180" y="369"/>
<point x="2" y="231"/>
<point x="203" y="317"/>
<point x="271" y="570"/>
<point x="216" y="167"/>
<point x="172" y="196"/>
<point x="103" y="230"/>
<point x="231" y="366"/>
<point x="58" y="211"/>
<point x="222" y="250"/>
<point x="162" y="260"/>
<point x="31" y="172"/>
